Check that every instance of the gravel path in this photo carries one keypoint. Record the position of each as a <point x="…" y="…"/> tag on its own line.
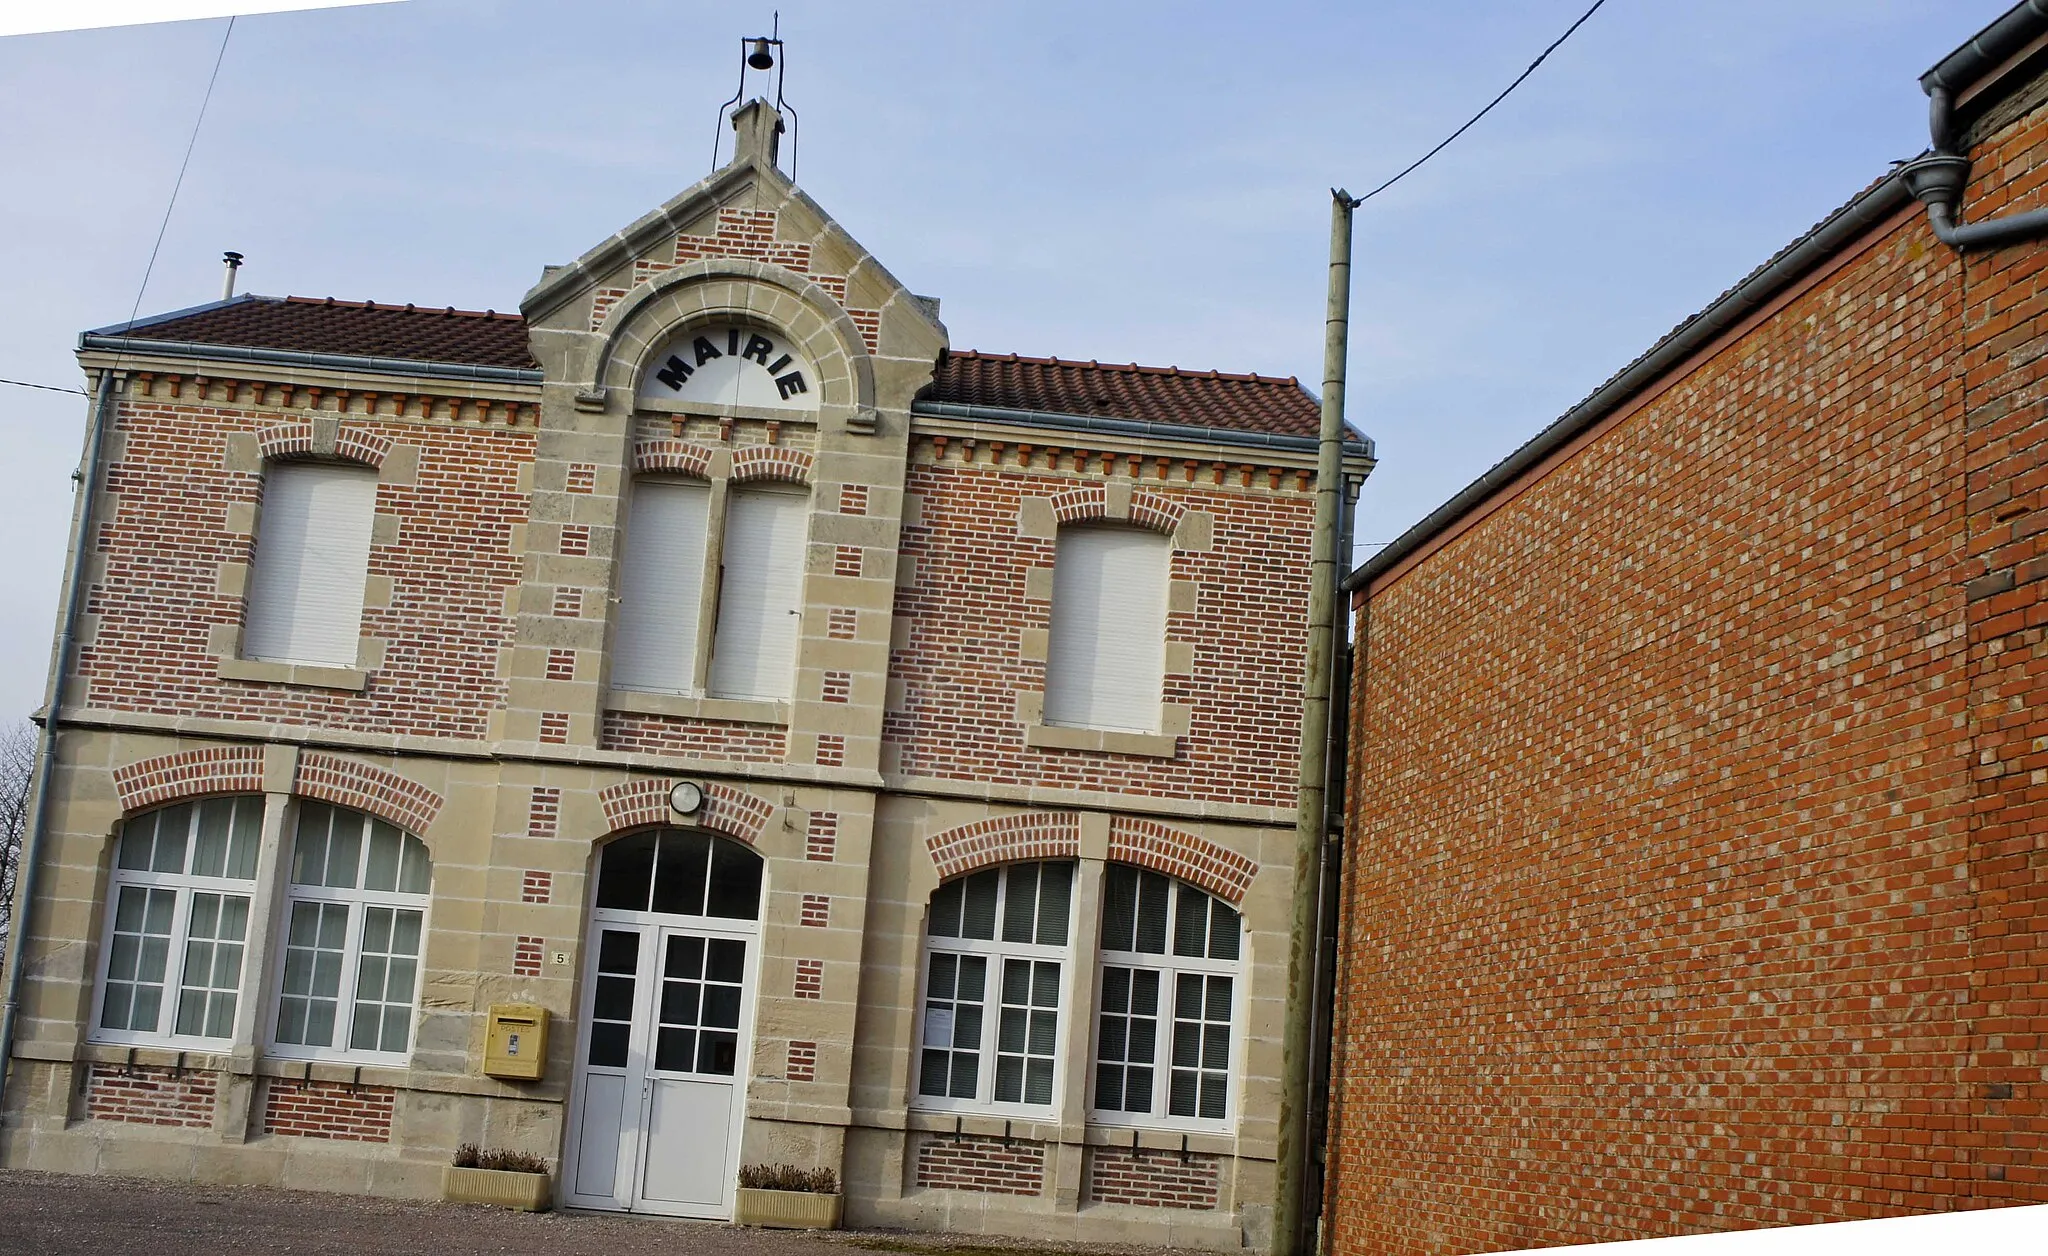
<point x="48" y="1214"/>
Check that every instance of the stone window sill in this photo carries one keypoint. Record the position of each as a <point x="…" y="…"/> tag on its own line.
<point x="306" y="675"/>
<point x="733" y="710"/>
<point x="1102" y="740"/>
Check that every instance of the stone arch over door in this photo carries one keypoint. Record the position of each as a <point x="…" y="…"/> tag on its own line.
<point x="732" y="812"/>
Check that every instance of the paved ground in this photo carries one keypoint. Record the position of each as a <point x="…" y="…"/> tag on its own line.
<point x="47" y="1214"/>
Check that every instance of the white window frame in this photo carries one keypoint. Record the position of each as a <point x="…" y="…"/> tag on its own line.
<point x="717" y="684"/>
<point x="1170" y="968"/>
<point x="184" y="884"/>
<point x="692" y="684"/>
<point x="1075" y="663"/>
<point x="995" y="953"/>
<point x="275" y="614"/>
<point x="357" y="900"/>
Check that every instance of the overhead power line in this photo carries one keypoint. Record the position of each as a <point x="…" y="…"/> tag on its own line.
<point x="1417" y="164"/>
<point x="190" y="144"/>
<point x="22" y="383"/>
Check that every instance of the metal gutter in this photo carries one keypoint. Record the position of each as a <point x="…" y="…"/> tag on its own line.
<point x="151" y="320"/>
<point x="1362" y="448"/>
<point x="1988" y="48"/>
<point x="319" y="361"/>
<point x="1839" y="230"/>
<point x="87" y="478"/>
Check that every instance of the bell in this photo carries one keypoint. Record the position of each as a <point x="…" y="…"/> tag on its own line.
<point x="760" y="58"/>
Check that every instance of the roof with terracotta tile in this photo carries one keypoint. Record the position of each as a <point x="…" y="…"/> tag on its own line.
<point x="348" y="328"/>
<point x="989" y="381"/>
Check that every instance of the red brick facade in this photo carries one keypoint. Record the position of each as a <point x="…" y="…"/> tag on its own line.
<point x="146" y="1095"/>
<point x="336" y="1110"/>
<point x="996" y="1166"/>
<point x="173" y="524"/>
<point x="1694" y="876"/>
<point x="1153" y="1179"/>
<point x="968" y="610"/>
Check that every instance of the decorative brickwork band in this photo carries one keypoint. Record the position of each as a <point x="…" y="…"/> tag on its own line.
<point x="145" y="1095"/>
<point x="676" y="457"/>
<point x="816" y="912"/>
<point x="1075" y="505"/>
<point x="992" y="1165"/>
<point x="810" y="979"/>
<point x="346" y="783"/>
<point x="821" y="837"/>
<point x="1153" y="1179"/>
<point x="296" y="440"/>
<point x="543" y="811"/>
<point x="190" y="774"/>
<point x="526" y="957"/>
<point x="771" y="462"/>
<point x="1222" y="872"/>
<point x="1006" y="839"/>
<point x="638" y="804"/>
<point x="338" y="1110"/>
<point x="1161" y="514"/>
<point x="536" y="886"/>
<point x="803" y="1062"/>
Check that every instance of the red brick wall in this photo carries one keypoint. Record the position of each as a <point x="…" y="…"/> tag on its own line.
<point x="990" y="1165"/>
<point x="1693" y="882"/>
<point x="967" y="608"/>
<point x="166" y="536"/>
<point x="335" y="1110"/>
<point x="145" y="1095"/>
<point x="705" y="739"/>
<point x="1154" y="1179"/>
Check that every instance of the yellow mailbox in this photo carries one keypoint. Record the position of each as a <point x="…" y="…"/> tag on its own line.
<point x="516" y="1047"/>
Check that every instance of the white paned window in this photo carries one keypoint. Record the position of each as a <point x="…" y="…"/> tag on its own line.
<point x="661" y="588"/>
<point x="1167" y="1018"/>
<point x="760" y="594"/>
<point x="354" y="918"/>
<point x="1106" y="656"/>
<point x="178" y="923"/>
<point x="312" y="558"/>
<point x="995" y="961"/>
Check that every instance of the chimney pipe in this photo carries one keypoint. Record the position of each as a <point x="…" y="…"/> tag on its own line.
<point x="233" y="261"/>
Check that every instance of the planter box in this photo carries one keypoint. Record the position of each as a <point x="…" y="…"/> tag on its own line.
<point x="787" y="1210"/>
<point x="527" y="1192"/>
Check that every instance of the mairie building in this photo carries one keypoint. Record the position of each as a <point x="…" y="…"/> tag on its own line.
<point x="702" y="720"/>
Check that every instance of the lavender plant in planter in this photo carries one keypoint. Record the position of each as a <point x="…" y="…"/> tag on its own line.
<point x="508" y="1179"/>
<point x="784" y="1197"/>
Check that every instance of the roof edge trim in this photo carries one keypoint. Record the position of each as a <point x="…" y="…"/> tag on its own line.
<point x="1989" y="48"/>
<point x="1843" y="227"/>
<point x="292" y="357"/>
<point x="151" y="320"/>
<point x="1131" y="427"/>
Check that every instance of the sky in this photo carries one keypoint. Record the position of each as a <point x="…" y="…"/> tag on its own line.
<point x="1120" y="181"/>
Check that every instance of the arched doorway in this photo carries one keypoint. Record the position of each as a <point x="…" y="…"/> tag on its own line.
<point x="670" y="966"/>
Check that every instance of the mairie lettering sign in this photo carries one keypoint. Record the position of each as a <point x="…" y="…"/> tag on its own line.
<point x="726" y="364"/>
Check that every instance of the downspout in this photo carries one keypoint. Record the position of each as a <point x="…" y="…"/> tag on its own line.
<point x="1938" y="178"/>
<point x="1297" y="1048"/>
<point x="87" y="477"/>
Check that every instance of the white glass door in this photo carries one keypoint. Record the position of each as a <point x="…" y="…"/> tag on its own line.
<point x="660" y="1091"/>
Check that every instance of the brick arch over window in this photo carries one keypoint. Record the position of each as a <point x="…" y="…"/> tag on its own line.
<point x="680" y="457"/>
<point x="639" y="804"/>
<point x="296" y="440"/>
<point x="189" y="774"/>
<point x="771" y="462"/>
<point x="361" y="787"/>
<point x="1005" y="839"/>
<point x="1091" y="502"/>
<point x="1149" y="844"/>
<point x="672" y="299"/>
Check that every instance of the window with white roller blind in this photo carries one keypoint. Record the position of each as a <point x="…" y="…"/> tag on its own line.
<point x="1106" y="655"/>
<point x="753" y="655"/>
<point x="305" y="600"/>
<point x="661" y="587"/>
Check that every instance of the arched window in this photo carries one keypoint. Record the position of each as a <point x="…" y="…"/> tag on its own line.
<point x="1167" y="1021"/>
<point x="680" y="872"/>
<point x="995" y="963"/>
<point x="355" y="917"/>
<point x="1106" y="651"/>
<point x="178" y="923"/>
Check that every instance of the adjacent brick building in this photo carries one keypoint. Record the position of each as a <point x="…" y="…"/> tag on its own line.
<point x="403" y="625"/>
<point x="1695" y="873"/>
